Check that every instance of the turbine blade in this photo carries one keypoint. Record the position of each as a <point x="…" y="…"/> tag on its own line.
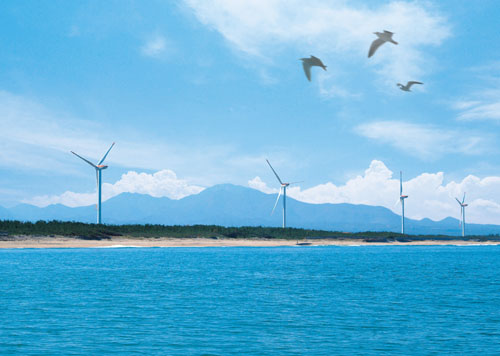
<point x="397" y="201"/>
<point x="275" y="204"/>
<point x="104" y="157"/>
<point x="276" y="174"/>
<point x="77" y="155"/>
<point x="463" y="199"/>
<point x="300" y="181"/>
<point x="458" y="201"/>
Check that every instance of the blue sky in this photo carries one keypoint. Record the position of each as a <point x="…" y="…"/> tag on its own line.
<point x="204" y="91"/>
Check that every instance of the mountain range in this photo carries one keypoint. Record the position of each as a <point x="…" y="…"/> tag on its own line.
<point x="231" y="205"/>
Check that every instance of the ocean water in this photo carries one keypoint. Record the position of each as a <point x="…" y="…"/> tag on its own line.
<point x="396" y="300"/>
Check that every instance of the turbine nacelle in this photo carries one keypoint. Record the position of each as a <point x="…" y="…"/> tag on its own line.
<point x="102" y="166"/>
<point x="462" y="203"/>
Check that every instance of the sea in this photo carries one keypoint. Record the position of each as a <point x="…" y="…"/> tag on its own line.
<point x="307" y="300"/>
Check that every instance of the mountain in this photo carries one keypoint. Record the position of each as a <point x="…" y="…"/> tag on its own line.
<point x="231" y="205"/>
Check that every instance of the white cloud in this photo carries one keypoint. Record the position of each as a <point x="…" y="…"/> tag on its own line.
<point x="34" y="137"/>
<point x="330" y="28"/>
<point x="160" y="184"/>
<point x="155" y="47"/>
<point x="482" y="104"/>
<point x="30" y="134"/>
<point x="486" y="108"/>
<point x="257" y="183"/>
<point x="423" y="141"/>
<point x="429" y="197"/>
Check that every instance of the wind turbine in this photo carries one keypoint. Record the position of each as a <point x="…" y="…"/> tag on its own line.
<point x="462" y="212"/>
<point x="402" y="201"/>
<point x="98" y="169"/>
<point x="282" y="189"/>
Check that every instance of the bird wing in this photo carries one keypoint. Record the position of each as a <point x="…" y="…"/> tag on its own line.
<point x="375" y="45"/>
<point x="409" y="84"/>
<point x="315" y="61"/>
<point x="307" y="70"/>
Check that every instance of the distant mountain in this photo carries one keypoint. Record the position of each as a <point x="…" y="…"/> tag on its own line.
<point x="5" y="213"/>
<point x="230" y="205"/>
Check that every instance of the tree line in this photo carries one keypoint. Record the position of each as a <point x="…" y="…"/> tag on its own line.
<point x="11" y="229"/>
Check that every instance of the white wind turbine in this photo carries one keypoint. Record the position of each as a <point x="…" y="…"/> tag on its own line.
<point x="462" y="212"/>
<point x="282" y="189"/>
<point x="98" y="169"/>
<point x="402" y="201"/>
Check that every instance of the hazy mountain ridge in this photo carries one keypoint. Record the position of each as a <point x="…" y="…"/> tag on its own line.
<point x="230" y="205"/>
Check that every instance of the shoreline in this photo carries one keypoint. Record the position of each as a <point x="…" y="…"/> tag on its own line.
<point x="65" y="242"/>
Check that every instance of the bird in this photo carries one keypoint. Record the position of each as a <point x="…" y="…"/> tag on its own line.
<point x="408" y="85"/>
<point x="307" y="63"/>
<point x="383" y="37"/>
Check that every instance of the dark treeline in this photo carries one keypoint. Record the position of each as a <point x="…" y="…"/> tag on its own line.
<point x="10" y="229"/>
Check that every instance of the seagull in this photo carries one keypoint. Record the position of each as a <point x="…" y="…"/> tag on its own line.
<point x="307" y="63"/>
<point x="407" y="86"/>
<point x="383" y="37"/>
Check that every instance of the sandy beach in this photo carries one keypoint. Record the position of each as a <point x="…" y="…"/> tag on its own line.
<point x="64" y="242"/>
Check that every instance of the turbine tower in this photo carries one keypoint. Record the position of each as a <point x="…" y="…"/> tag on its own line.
<point x="98" y="174"/>
<point x="462" y="212"/>
<point x="282" y="189"/>
<point x="402" y="201"/>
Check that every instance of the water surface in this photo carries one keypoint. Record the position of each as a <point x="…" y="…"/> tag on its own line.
<point x="367" y="300"/>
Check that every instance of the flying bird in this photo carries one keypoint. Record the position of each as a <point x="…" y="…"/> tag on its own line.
<point x="408" y="85"/>
<point x="307" y="63"/>
<point x="383" y="37"/>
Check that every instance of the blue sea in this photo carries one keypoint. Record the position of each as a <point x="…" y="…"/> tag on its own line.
<point x="365" y="300"/>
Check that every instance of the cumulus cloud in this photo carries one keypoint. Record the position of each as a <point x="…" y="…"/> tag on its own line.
<point x="423" y="141"/>
<point x="160" y="184"/>
<point x="257" y="183"/>
<point x="329" y="27"/>
<point x="429" y="196"/>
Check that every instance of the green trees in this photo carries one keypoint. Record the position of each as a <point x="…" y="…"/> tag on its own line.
<point x="10" y="229"/>
<point x="81" y="230"/>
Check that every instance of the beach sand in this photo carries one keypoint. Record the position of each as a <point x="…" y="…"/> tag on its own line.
<point x="65" y="242"/>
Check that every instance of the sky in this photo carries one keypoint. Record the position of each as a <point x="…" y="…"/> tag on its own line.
<point x="200" y="92"/>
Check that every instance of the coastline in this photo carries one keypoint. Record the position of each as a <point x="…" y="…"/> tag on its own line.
<point x="65" y="242"/>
